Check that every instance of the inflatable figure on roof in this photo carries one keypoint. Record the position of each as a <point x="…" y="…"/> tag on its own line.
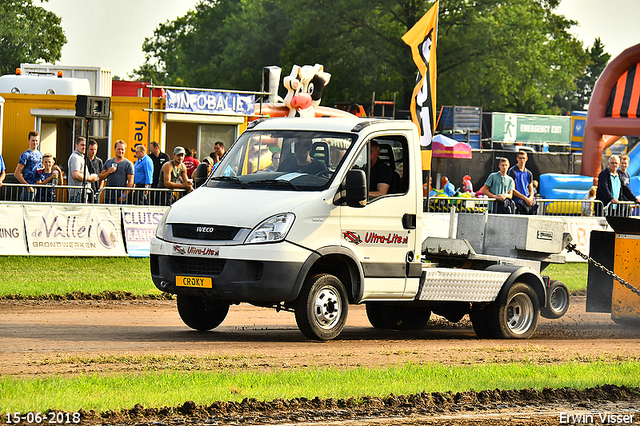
<point x="304" y="89"/>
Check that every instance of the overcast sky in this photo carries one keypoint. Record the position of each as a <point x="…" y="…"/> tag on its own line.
<point x="110" y="33"/>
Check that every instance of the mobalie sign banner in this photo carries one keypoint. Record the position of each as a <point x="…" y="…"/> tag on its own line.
<point x="554" y="130"/>
<point x="74" y="230"/>
<point x="212" y="102"/>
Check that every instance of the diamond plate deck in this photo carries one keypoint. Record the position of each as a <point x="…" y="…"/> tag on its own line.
<point x="460" y="285"/>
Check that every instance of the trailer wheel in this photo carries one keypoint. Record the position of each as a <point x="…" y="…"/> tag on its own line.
<point x="480" y="320"/>
<point x="518" y="317"/>
<point x="202" y="314"/>
<point x="557" y="300"/>
<point x="375" y="315"/>
<point x="322" y="307"/>
<point x="398" y="317"/>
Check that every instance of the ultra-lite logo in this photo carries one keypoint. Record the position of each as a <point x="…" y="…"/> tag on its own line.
<point x="205" y="229"/>
<point x="352" y="237"/>
<point x="204" y="251"/>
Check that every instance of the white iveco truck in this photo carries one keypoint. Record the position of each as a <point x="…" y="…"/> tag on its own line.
<point x="304" y="234"/>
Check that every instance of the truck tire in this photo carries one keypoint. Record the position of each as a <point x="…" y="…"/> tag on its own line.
<point x="480" y="320"/>
<point x="518" y="317"/>
<point x="557" y="300"/>
<point x="399" y="317"/>
<point x="202" y="314"/>
<point x="375" y="316"/>
<point x="322" y="307"/>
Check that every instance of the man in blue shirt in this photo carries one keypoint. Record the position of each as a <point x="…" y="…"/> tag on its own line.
<point x="143" y="175"/>
<point x="28" y="164"/>
<point x="523" y="178"/>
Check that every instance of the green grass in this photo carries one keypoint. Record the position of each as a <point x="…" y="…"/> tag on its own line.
<point x="172" y="388"/>
<point x="36" y="276"/>
<point x="574" y="274"/>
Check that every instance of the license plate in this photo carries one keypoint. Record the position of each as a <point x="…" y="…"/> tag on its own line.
<point x="199" y="282"/>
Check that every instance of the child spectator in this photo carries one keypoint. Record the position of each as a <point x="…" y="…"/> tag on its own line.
<point x="587" y="208"/>
<point x="49" y="174"/>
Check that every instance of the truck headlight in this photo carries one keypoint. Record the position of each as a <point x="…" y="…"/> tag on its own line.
<point x="161" y="229"/>
<point x="271" y="230"/>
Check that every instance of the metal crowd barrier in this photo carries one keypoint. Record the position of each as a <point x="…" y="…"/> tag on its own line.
<point x="546" y="207"/>
<point x="563" y="207"/>
<point x="622" y="209"/>
<point x="461" y="204"/>
<point x="73" y="194"/>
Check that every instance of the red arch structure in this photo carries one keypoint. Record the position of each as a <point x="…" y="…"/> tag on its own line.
<point x="614" y="108"/>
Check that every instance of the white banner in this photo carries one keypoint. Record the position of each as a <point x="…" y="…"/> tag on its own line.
<point x="12" y="238"/>
<point x="580" y="230"/>
<point x="139" y="227"/>
<point x="71" y="230"/>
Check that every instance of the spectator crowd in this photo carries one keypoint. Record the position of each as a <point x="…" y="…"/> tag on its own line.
<point x="89" y="179"/>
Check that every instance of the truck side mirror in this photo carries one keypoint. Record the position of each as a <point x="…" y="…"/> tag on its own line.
<point x="355" y="186"/>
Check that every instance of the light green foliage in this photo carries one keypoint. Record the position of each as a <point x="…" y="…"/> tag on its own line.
<point x="172" y="388"/>
<point x="35" y="275"/>
<point x="579" y="99"/>
<point x="574" y="275"/>
<point x="514" y="56"/>
<point x="28" y="33"/>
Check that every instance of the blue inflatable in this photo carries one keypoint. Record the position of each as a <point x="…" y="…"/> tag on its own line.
<point x="574" y="187"/>
<point x="634" y="163"/>
<point x="634" y="185"/>
<point x="565" y="187"/>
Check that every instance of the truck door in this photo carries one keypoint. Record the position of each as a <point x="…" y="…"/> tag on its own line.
<point x="379" y="233"/>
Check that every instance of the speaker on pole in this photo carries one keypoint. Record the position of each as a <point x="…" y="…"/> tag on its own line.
<point x="93" y="106"/>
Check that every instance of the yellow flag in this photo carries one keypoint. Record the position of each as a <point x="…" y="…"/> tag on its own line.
<point x="422" y="40"/>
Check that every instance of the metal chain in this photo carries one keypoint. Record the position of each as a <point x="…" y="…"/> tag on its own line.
<point x="572" y="247"/>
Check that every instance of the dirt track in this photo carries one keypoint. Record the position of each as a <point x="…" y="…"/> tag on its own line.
<point x="42" y="338"/>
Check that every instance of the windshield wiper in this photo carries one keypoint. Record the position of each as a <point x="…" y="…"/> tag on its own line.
<point x="280" y="182"/>
<point x="234" y="179"/>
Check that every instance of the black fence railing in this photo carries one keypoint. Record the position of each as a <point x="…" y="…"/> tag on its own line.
<point x="74" y="194"/>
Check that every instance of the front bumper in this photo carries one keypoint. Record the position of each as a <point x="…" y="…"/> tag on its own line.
<point x="247" y="273"/>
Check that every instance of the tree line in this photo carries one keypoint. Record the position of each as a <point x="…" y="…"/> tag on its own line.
<point x="511" y="56"/>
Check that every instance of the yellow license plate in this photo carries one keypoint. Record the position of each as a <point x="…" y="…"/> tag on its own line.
<point x="199" y="282"/>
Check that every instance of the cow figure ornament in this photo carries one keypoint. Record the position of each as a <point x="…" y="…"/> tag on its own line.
<point x="304" y="89"/>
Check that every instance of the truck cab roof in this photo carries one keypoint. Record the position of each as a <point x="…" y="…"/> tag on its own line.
<point x="350" y="125"/>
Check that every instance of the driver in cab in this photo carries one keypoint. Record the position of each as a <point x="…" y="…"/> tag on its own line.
<point x="301" y="161"/>
<point x="381" y="174"/>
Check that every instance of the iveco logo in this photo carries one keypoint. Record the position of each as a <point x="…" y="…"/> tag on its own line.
<point x="205" y="229"/>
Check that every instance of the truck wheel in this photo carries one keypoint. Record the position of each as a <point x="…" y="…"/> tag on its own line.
<point x="557" y="300"/>
<point x="322" y="307"/>
<point x="375" y="316"/>
<point x="398" y="317"/>
<point x="202" y="314"/>
<point x="518" y="317"/>
<point x="480" y="320"/>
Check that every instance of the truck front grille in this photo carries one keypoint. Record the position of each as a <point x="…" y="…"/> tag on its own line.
<point x="204" y="232"/>
<point x="199" y="266"/>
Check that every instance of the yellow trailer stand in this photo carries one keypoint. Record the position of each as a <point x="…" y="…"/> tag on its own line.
<point x="617" y="251"/>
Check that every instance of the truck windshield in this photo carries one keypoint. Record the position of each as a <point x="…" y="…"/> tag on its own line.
<point x="282" y="160"/>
